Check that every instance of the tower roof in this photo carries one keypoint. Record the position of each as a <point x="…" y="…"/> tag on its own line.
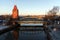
<point x="15" y="7"/>
<point x="15" y="12"/>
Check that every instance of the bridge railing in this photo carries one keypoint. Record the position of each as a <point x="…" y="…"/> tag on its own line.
<point x="29" y="28"/>
<point x="22" y="28"/>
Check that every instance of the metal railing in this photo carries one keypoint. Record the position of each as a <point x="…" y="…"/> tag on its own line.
<point x="30" y="28"/>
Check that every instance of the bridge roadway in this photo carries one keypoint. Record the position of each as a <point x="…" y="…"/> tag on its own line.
<point x="31" y="35"/>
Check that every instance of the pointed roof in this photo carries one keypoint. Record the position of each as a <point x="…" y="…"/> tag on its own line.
<point x="15" y="12"/>
<point x="15" y="7"/>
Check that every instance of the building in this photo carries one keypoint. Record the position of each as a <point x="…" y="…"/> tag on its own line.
<point x="15" y="12"/>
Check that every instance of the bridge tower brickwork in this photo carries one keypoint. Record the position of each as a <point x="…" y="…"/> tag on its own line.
<point x="15" y="13"/>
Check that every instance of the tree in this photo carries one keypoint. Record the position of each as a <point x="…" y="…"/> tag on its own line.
<point x="54" y="11"/>
<point x="51" y="17"/>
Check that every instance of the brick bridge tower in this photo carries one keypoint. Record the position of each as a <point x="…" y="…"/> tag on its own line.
<point x="15" y="13"/>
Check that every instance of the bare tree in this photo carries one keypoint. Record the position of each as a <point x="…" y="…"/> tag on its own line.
<point x="54" y="11"/>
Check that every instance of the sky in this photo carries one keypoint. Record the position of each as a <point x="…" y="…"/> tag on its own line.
<point x="28" y="7"/>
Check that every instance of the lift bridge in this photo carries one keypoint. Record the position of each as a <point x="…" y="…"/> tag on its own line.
<point x="47" y="29"/>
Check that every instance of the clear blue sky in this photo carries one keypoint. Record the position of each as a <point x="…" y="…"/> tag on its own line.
<point x="28" y="7"/>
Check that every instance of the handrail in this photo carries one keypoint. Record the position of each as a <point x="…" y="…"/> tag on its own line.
<point x="7" y="29"/>
<point x="11" y="27"/>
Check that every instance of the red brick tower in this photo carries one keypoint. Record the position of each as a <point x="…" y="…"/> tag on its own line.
<point x="15" y="13"/>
